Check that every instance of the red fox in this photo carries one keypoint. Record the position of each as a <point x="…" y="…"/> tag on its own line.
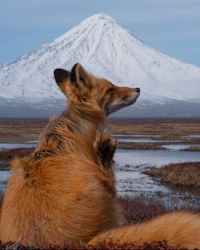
<point x="65" y="190"/>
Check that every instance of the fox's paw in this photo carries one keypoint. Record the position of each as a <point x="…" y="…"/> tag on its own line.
<point x="105" y="148"/>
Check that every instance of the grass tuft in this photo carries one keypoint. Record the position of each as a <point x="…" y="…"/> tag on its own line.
<point x="179" y="174"/>
<point x="139" y="146"/>
<point x="192" y="148"/>
<point x="8" y="154"/>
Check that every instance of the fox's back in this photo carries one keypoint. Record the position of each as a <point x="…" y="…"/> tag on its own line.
<point x="72" y="193"/>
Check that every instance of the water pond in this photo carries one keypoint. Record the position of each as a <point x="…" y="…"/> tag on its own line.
<point x="130" y="165"/>
<point x="193" y="136"/>
<point x="179" y="146"/>
<point x="143" y="140"/>
<point x="28" y="144"/>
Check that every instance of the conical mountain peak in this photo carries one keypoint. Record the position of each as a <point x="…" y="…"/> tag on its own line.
<point x="101" y="17"/>
<point x="106" y="50"/>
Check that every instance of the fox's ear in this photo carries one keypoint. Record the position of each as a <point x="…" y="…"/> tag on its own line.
<point x="78" y="76"/>
<point x="61" y="76"/>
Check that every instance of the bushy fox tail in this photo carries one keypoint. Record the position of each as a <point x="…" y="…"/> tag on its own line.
<point x="178" y="229"/>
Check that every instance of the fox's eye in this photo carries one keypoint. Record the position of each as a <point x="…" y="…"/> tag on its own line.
<point x="109" y="90"/>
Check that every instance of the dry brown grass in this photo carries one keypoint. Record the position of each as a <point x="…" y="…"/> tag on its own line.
<point x="179" y="174"/>
<point x="172" y="136"/>
<point x="141" y="208"/>
<point x="139" y="146"/>
<point x="167" y="130"/>
<point x="21" y="130"/>
<point x="100" y="246"/>
<point x="192" y="148"/>
<point x="154" y="145"/>
<point x="9" y="154"/>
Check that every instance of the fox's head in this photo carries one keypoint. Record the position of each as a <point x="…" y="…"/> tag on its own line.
<point x="84" y="89"/>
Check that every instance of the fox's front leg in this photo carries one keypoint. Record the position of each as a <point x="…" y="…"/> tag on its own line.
<point x="105" y="148"/>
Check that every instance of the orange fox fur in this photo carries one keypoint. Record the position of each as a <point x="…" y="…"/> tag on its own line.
<point x="179" y="229"/>
<point x="64" y="182"/>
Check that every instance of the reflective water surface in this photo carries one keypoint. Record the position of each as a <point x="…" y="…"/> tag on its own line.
<point x="179" y="146"/>
<point x="143" y="140"/>
<point x="28" y="144"/>
<point x="130" y="165"/>
<point x="193" y="136"/>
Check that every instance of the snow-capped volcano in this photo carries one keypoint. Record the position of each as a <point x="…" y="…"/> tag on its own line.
<point x="107" y="50"/>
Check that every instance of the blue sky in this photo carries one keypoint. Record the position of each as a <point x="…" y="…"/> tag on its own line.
<point x="170" y="26"/>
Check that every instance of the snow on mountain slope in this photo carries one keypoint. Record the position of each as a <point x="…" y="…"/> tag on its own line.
<point x="106" y="50"/>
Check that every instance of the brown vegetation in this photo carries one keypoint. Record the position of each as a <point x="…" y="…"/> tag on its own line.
<point x="179" y="174"/>
<point x="141" y="208"/>
<point x="154" y="146"/>
<point x="21" y="130"/>
<point x="139" y="146"/>
<point x="8" y="154"/>
<point x="192" y="148"/>
<point x="100" y="246"/>
<point x="165" y="130"/>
